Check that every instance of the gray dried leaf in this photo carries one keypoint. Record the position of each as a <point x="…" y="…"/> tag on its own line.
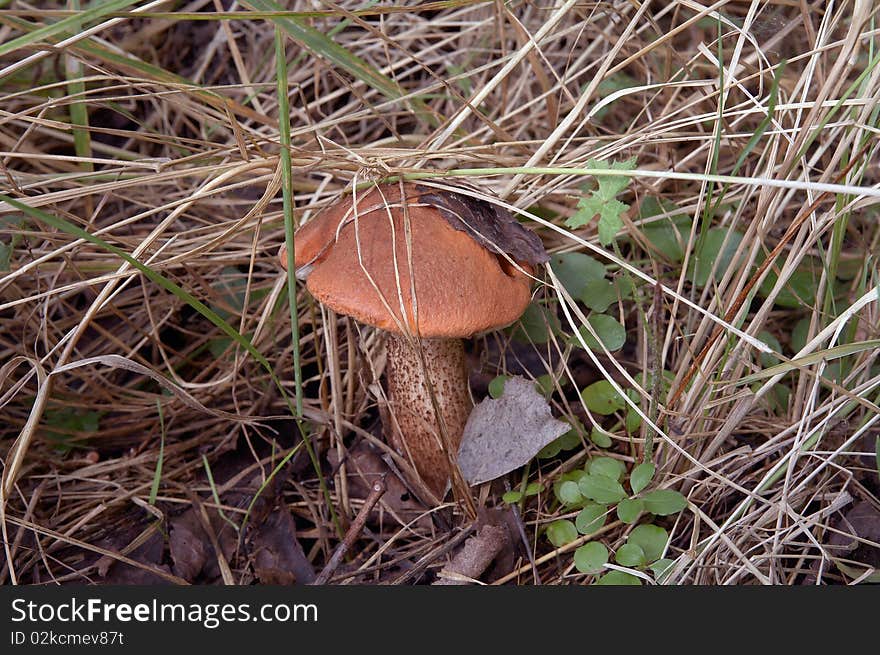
<point x="502" y="435"/>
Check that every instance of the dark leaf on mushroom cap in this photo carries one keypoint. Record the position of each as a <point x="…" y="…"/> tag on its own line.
<point x="492" y="226"/>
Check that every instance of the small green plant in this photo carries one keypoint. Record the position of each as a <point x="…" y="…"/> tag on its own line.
<point x="603" y="200"/>
<point x="64" y="425"/>
<point x="602" y="398"/>
<point x="713" y="255"/>
<point x="515" y="495"/>
<point x="642" y="550"/>
<point x="536" y="324"/>
<point x="665" y="228"/>
<point x="598" y="490"/>
<point x="585" y="280"/>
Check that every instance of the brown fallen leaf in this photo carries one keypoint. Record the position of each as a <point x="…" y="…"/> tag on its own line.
<point x="278" y="556"/>
<point x="189" y="545"/>
<point x="364" y="467"/>
<point x="857" y="540"/>
<point x="492" y="543"/>
<point x="503" y="434"/>
<point x="193" y="550"/>
<point x="150" y="552"/>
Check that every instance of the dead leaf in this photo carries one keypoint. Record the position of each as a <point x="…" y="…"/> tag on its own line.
<point x="858" y="532"/>
<point x="493" y="227"/>
<point x="149" y="552"/>
<point x="504" y="434"/>
<point x="475" y="556"/>
<point x="364" y="467"/>
<point x="278" y="556"/>
<point x="189" y="545"/>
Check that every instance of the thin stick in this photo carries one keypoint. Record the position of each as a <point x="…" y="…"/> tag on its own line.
<point x="353" y="533"/>
<point x="525" y="541"/>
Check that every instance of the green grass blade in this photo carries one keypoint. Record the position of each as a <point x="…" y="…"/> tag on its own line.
<point x="287" y="204"/>
<point x="268" y="481"/>
<point x="287" y="200"/>
<point x="215" y="495"/>
<point x="65" y="26"/>
<point x="772" y="99"/>
<point x="79" y="115"/>
<point x="813" y="358"/>
<point x="322" y="46"/>
<point x="757" y="135"/>
<point x="157" y="476"/>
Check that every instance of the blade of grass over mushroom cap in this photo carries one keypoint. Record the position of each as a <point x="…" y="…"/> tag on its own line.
<point x="756" y="343"/>
<point x="870" y="191"/>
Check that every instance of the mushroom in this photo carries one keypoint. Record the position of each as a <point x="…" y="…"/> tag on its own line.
<point x="466" y="263"/>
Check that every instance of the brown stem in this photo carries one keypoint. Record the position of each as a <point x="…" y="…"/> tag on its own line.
<point x="419" y="439"/>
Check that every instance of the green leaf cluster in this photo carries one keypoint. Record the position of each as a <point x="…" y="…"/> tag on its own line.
<point x="600" y="489"/>
<point x="602" y="398"/>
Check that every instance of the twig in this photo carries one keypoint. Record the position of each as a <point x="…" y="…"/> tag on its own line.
<point x="354" y="531"/>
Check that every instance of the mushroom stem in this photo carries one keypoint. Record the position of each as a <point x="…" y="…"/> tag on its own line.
<point x="419" y="439"/>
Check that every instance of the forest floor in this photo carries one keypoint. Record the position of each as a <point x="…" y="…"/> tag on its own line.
<point x="704" y="177"/>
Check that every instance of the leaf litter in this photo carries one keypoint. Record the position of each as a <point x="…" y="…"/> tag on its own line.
<point x="503" y="434"/>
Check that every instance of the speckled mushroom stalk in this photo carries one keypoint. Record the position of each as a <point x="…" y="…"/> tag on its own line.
<point x="420" y="438"/>
<point x="444" y="246"/>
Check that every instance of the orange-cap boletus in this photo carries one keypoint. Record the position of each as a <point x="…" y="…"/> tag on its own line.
<point x="463" y="260"/>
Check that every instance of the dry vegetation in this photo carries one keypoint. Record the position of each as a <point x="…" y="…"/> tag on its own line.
<point x="139" y="440"/>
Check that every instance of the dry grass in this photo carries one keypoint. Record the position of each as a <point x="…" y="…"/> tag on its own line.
<point x="177" y="164"/>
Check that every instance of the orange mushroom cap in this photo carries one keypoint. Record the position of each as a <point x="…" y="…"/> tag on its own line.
<point x="461" y="287"/>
